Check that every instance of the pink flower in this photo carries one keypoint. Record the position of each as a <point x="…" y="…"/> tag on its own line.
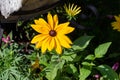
<point x="6" y="40"/>
<point x="96" y="76"/>
<point x="115" y="66"/>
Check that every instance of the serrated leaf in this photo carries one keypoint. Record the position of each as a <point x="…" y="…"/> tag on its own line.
<point x="81" y="43"/>
<point x="54" y="58"/>
<point x="84" y="72"/>
<point x="107" y="72"/>
<point x="90" y="57"/>
<point x="101" y="50"/>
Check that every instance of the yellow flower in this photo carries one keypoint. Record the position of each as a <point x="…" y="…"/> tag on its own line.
<point x="116" y="24"/>
<point x="72" y="10"/>
<point x="36" y="67"/>
<point x="52" y="35"/>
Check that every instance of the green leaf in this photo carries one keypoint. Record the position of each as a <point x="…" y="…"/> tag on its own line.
<point x="10" y="74"/>
<point x="101" y="50"/>
<point x="81" y="43"/>
<point x="54" y="57"/>
<point x="71" y="69"/>
<point x="84" y="72"/>
<point x="53" y="70"/>
<point x="88" y="64"/>
<point x="90" y="57"/>
<point x="107" y="72"/>
<point x="44" y="59"/>
<point x="69" y="56"/>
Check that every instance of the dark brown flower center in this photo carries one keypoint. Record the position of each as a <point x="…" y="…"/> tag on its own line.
<point x="52" y="33"/>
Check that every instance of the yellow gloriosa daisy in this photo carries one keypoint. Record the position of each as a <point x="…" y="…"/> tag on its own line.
<point x="72" y="10"/>
<point x="116" y="24"/>
<point x="52" y="35"/>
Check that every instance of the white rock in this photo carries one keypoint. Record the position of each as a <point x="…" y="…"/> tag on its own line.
<point x="9" y="6"/>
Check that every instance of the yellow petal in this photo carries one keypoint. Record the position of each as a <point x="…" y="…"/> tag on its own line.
<point x="63" y="42"/>
<point x="58" y="46"/>
<point x="77" y="12"/>
<point x="50" y="20"/>
<point x="35" y="27"/>
<point x="44" y="45"/>
<point x="66" y="8"/>
<point x="71" y="8"/>
<point x="78" y="9"/>
<point x="117" y="18"/>
<point x="37" y="22"/>
<point x="61" y="26"/>
<point x="38" y="44"/>
<point x="48" y="43"/>
<point x="38" y="37"/>
<point x="66" y="30"/>
<point x="52" y="44"/>
<point x="66" y="39"/>
<point x="40" y="29"/>
<point x="75" y="7"/>
<point x="43" y="23"/>
<point x="116" y="25"/>
<point x="55" y="18"/>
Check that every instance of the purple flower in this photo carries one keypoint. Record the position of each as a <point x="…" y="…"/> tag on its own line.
<point x="115" y="66"/>
<point x="6" y="40"/>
